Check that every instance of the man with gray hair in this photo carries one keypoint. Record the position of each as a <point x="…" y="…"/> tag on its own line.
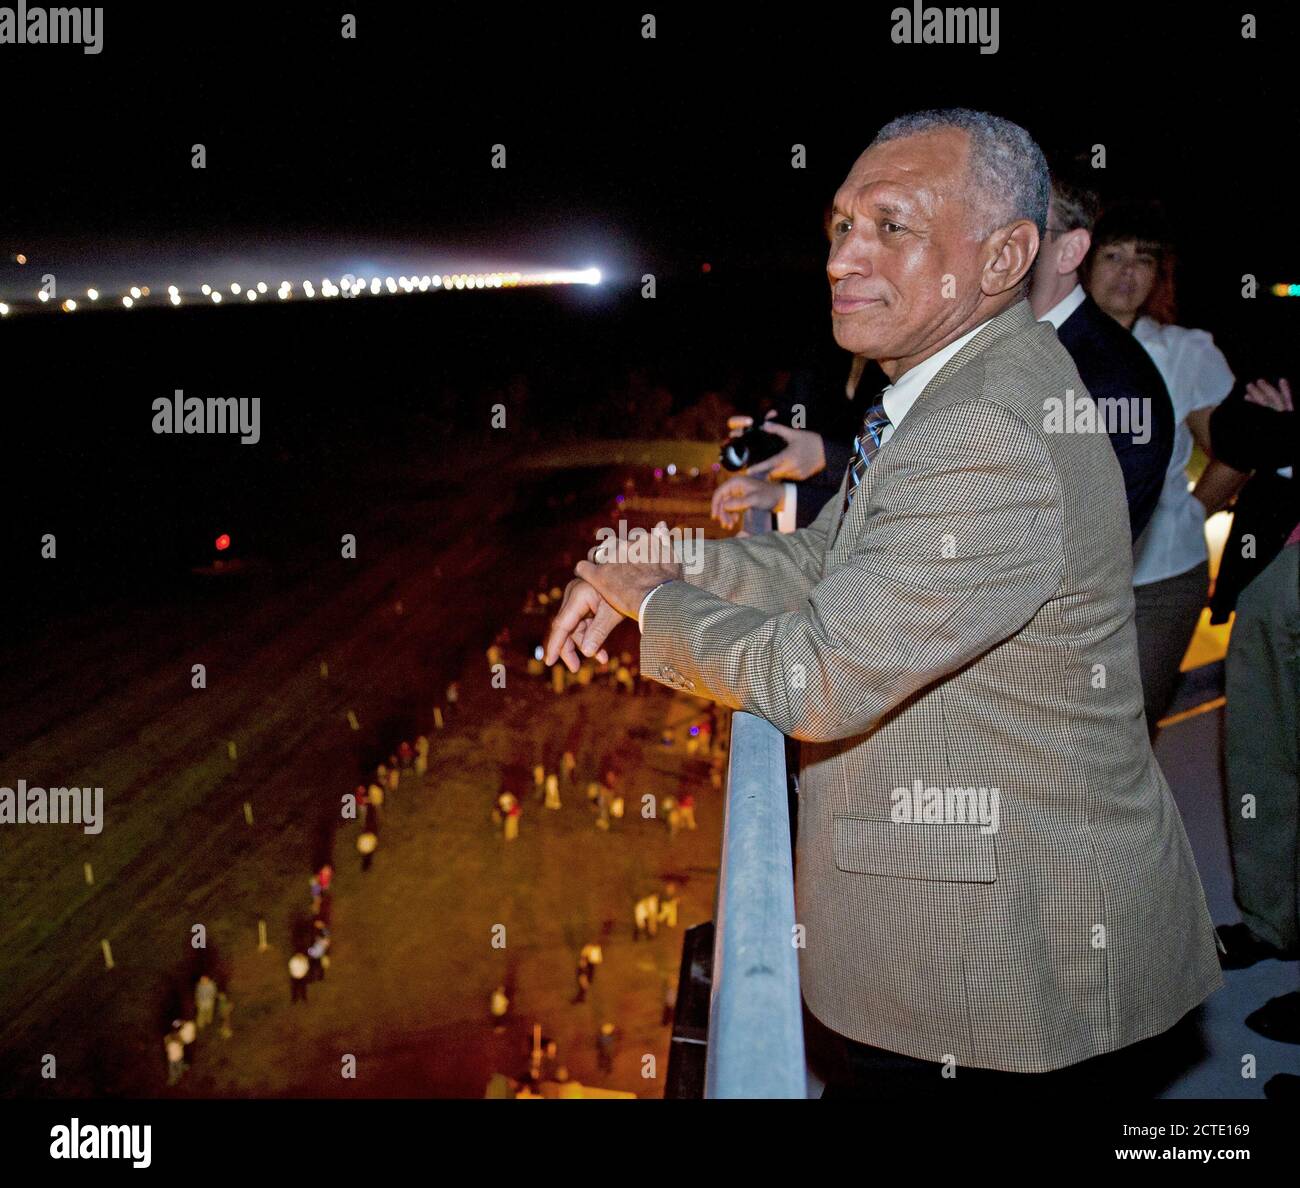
<point x="960" y="616"/>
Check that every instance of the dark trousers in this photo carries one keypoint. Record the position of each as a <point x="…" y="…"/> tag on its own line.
<point x="855" y="1070"/>
<point x="1262" y="751"/>
<point x="1167" y="612"/>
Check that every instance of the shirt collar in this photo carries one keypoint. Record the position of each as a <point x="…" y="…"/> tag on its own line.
<point x="899" y="397"/>
<point x="1065" y="307"/>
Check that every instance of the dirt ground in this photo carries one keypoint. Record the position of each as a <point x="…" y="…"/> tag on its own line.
<point x="412" y="959"/>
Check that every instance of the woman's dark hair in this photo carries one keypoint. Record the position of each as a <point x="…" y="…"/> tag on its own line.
<point x="1141" y="222"/>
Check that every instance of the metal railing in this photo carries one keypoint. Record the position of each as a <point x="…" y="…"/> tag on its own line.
<point x="755" y="1037"/>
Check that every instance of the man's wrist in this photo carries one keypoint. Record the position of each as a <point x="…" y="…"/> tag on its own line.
<point x="645" y="601"/>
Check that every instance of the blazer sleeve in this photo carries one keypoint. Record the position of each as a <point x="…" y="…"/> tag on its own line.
<point x="771" y="573"/>
<point x="956" y="556"/>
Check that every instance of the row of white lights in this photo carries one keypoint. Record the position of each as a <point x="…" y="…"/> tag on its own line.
<point x="355" y="286"/>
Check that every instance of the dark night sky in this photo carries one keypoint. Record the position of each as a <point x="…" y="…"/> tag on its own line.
<point x="659" y="152"/>
<point x="625" y="154"/>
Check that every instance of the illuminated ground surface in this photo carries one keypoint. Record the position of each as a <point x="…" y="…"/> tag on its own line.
<point x="109" y="702"/>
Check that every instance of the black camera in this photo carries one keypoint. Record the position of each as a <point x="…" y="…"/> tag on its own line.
<point x="754" y="445"/>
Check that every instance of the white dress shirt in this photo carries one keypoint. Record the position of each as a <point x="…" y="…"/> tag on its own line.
<point x="898" y="399"/>
<point x="1197" y="376"/>
<point x="1065" y="307"/>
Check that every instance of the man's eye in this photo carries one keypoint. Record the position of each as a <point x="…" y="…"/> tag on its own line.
<point x="841" y="227"/>
<point x="893" y="228"/>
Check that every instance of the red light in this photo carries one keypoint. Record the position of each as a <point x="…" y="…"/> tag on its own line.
<point x="706" y="267"/>
<point x="223" y="543"/>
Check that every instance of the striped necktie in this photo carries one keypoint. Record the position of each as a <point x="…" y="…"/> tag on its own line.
<point x="864" y="449"/>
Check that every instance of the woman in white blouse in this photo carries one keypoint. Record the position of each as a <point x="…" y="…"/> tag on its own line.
<point x="1131" y="253"/>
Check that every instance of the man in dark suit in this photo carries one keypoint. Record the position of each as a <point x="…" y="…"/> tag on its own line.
<point x="1254" y="429"/>
<point x="818" y="414"/>
<point x="1114" y="367"/>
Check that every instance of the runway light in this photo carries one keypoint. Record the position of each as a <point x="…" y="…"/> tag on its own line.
<point x="93" y="294"/>
<point x="175" y="299"/>
<point x="42" y="296"/>
<point x="20" y="258"/>
<point x="235" y="288"/>
<point x="216" y="297"/>
<point x="4" y="310"/>
<point x="223" y="542"/>
<point x="205" y="289"/>
<point x="128" y="301"/>
<point x="261" y="286"/>
<point x="69" y="305"/>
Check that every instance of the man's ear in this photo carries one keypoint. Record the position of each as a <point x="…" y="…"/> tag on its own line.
<point x="1075" y="249"/>
<point x="1017" y="247"/>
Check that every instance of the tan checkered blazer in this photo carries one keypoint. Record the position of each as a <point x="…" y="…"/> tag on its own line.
<point x="970" y="625"/>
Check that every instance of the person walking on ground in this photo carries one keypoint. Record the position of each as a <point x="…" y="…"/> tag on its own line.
<point x="175" y="1051"/>
<point x="317" y="953"/>
<point x="508" y="807"/>
<point x="367" y="843"/>
<point x="298" y="967"/>
<point x="225" y="1009"/>
<point x="605" y="1047"/>
<point x="552" y="792"/>
<point x="686" y="809"/>
<point x="499" y="1008"/>
<point x="646" y="912"/>
<point x="205" y="1001"/>
<point x="668" y="906"/>
<point x="588" y="959"/>
<point x="421" y="755"/>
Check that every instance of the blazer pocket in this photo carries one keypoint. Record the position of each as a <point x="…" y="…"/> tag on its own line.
<point x="935" y="853"/>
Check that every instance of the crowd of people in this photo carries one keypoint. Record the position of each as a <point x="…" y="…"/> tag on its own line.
<point x="555" y="778"/>
<point x="601" y="794"/>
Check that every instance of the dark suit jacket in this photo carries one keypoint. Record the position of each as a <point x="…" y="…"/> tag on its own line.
<point x="1115" y="366"/>
<point x="818" y="385"/>
<point x="1249" y="437"/>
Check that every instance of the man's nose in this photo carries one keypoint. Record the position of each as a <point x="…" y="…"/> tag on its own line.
<point x="847" y="259"/>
